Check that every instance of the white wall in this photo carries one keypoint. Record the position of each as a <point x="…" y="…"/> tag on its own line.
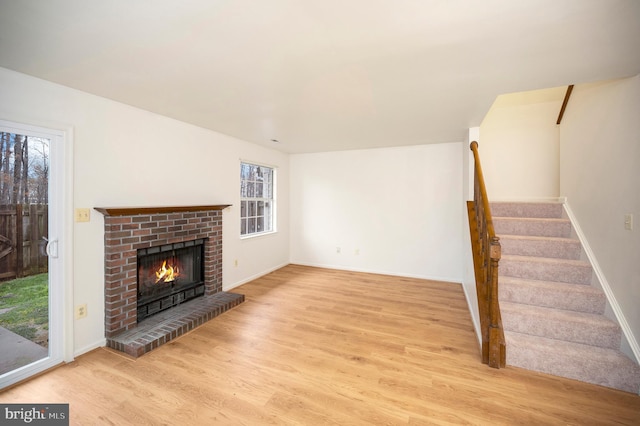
<point x="520" y="146"/>
<point x="600" y="176"/>
<point x="391" y="210"/>
<point x="125" y="156"/>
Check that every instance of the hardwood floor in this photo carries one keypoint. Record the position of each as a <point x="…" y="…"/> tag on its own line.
<point x="314" y="346"/>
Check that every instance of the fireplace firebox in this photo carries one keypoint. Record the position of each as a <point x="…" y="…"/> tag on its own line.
<point x="169" y="275"/>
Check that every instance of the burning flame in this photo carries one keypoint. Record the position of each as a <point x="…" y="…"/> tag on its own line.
<point x="167" y="274"/>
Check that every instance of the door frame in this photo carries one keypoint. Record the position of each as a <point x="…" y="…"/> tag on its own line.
<point x="60" y="269"/>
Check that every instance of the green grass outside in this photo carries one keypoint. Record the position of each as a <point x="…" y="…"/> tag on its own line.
<point x="24" y="307"/>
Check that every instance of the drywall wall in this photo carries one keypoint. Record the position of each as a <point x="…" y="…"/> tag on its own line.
<point x="390" y="210"/>
<point x="125" y="156"/>
<point x="600" y="176"/>
<point x="520" y="146"/>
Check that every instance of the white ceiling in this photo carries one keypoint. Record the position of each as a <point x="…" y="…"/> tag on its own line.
<point x="321" y="75"/>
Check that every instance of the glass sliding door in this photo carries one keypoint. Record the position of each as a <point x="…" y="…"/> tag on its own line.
<point x="31" y="307"/>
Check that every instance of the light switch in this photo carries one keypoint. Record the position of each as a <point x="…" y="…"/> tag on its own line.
<point x="82" y="215"/>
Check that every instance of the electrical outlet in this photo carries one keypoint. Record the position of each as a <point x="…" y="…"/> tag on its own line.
<point x="235" y="263"/>
<point x="338" y="250"/>
<point x="356" y="252"/>
<point x="628" y="222"/>
<point x="82" y="215"/>
<point x="81" y="311"/>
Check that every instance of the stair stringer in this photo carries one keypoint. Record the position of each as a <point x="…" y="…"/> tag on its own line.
<point x="629" y="345"/>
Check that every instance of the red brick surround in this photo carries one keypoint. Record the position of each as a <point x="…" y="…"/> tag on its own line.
<point x="127" y="230"/>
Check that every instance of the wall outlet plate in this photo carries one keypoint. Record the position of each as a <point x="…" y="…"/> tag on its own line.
<point x="81" y="311"/>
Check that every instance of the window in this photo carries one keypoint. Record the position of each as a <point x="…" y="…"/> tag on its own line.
<point x="257" y="201"/>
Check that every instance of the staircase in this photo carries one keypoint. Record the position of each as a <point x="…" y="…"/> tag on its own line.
<point x="553" y="317"/>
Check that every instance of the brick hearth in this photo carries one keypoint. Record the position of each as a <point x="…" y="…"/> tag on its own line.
<point x="130" y="229"/>
<point x="167" y="325"/>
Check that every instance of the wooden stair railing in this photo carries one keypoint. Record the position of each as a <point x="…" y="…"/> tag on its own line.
<point x="486" y="255"/>
<point x="567" y="95"/>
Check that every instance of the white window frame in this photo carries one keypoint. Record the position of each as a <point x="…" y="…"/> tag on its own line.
<point x="248" y="213"/>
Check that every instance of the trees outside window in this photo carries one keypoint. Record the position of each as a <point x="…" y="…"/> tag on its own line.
<point x="257" y="199"/>
<point x="24" y="169"/>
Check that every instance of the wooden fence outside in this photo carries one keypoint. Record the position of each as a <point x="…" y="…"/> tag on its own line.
<point x="22" y="243"/>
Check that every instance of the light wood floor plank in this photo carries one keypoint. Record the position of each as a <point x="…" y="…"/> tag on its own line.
<point x="314" y="346"/>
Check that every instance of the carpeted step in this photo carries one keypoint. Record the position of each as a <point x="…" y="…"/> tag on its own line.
<point x="572" y="297"/>
<point x="507" y="209"/>
<point x="553" y="318"/>
<point x="572" y="326"/>
<point x="540" y="227"/>
<point x="546" y="269"/>
<point x="565" y="248"/>
<point x="600" y="366"/>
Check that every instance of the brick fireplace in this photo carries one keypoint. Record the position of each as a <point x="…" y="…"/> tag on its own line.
<point x="129" y="230"/>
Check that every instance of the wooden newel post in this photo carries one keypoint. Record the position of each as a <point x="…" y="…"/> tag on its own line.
<point x="497" y="353"/>
<point x="494" y="256"/>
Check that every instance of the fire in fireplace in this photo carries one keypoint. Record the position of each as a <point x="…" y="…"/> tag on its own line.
<point x="169" y="275"/>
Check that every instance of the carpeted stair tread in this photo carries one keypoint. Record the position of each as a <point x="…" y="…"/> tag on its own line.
<point x="577" y="327"/>
<point x="531" y="209"/>
<point x="600" y="366"/>
<point x="546" y="269"/>
<point x="542" y="227"/>
<point x="553" y="317"/>
<point x="527" y="245"/>
<point x="574" y="297"/>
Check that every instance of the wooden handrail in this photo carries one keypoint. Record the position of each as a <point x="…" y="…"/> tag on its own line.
<point x="567" y="95"/>
<point x="486" y="256"/>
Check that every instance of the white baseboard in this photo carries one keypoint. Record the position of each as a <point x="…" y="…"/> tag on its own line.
<point x="95" y="345"/>
<point x="378" y="272"/>
<point x="528" y="200"/>
<point x="253" y="277"/>
<point x="476" y="325"/>
<point x="606" y="288"/>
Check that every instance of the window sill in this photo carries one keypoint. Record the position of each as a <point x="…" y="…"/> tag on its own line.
<point x="257" y="235"/>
